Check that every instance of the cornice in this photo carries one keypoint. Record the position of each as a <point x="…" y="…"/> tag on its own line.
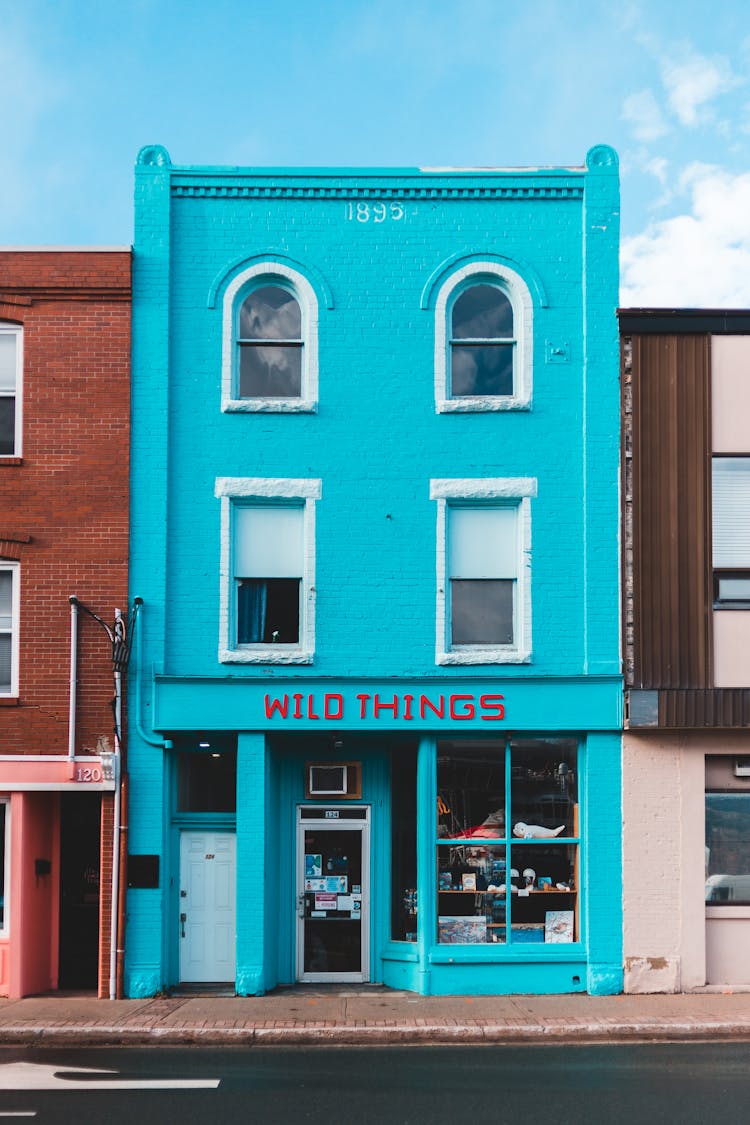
<point x="374" y="191"/>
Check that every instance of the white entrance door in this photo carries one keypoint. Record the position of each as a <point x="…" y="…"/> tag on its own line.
<point x="207" y="907"/>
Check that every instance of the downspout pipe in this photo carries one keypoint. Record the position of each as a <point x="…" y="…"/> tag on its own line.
<point x="73" y="680"/>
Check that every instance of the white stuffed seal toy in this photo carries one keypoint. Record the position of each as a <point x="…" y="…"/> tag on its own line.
<point x="535" y="831"/>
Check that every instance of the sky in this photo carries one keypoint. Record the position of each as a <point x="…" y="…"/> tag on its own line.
<point x="468" y="83"/>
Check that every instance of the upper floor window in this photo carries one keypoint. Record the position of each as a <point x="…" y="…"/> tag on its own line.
<point x="267" y="570"/>
<point x="483" y="570"/>
<point x="9" y="612"/>
<point x="269" y="338"/>
<point x="483" y="343"/>
<point x="731" y="532"/>
<point x="11" y="347"/>
<point x="270" y="342"/>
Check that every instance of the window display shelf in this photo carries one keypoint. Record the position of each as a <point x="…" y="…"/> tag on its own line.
<point x="534" y="891"/>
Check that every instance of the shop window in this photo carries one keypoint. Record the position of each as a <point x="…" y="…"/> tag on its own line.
<point x="731" y="532"/>
<point x="11" y="349"/>
<point x="207" y="782"/>
<point x="267" y="551"/>
<point x="484" y="577"/>
<point x="270" y="341"/>
<point x="483" y="340"/>
<point x="728" y="848"/>
<point x="9" y="626"/>
<point x="508" y="842"/>
<point x="4" y="863"/>
<point x="404" y="844"/>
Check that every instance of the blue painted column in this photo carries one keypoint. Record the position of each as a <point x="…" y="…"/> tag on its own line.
<point x="426" y="880"/>
<point x="255" y="883"/>
<point x="602" y="886"/>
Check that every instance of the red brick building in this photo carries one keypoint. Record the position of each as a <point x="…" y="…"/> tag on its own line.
<point x="64" y="509"/>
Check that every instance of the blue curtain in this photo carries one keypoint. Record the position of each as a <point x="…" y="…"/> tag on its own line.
<point x="252" y="596"/>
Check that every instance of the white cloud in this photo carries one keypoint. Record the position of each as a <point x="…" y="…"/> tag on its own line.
<point x="695" y="260"/>
<point x="642" y="113"/>
<point x="692" y="80"/>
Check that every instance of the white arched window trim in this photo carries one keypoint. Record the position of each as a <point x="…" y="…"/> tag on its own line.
<point x="305" y="294"/>
<point x="520" y="298"/>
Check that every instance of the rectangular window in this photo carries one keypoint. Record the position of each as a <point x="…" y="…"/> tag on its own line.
<point x="8" y="630"/>
<point x="731" y="532"/>
<point x="10" y="390"/>
<point x="483" y="570"/>
<point x="268" y="566"/>
<point x="483" y="554"/>
<point x="267" y="591"/>
<point x="508" y="842"/>
<point x="4" y="862"/>
<point x="728" y="849"/>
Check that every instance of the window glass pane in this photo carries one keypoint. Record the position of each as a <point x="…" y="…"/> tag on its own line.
<point x="268" y="611"/>
<point x="207" y="782"/>
<point x="731" y="511"/>
<point x="268" y="541"/>
<point x="728" y="848"/>
<point x="3" y="814"/>
<point x="404" y="844"/>
<point x="6" y="598"/>
<point x="543" y="893"/>
<point x="544" y="788"/>
<point x="270" y="313"/>
<point x="7" y="425"/>
<point x="8" y="343"/>
<point x="471" y="894"/>
<point x="270" y="371"/>
<point x="481" y="369"/>
<point x="734" y="589"/>
<point x="482" y="542"/>
<point x="5" y="663"/>
<point x="482" y="312"/>
<point x="482" y="611"/>
<point x="471" y="790"/>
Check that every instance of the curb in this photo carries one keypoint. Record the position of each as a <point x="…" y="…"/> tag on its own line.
<point x="403" y="1035"/>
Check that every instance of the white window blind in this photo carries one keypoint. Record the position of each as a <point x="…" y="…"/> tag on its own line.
<point x="7" y="361"/>
<point x="268" y="541"/>
<point x="731" y="512"/>
<point x="482" y="542"/>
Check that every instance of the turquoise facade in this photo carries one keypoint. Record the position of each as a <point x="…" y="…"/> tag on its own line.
<point x="372" y="256"/>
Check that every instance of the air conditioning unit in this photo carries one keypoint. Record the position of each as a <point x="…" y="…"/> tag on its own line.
<point x="742" y="767"/>
<point x="328" y="780"/>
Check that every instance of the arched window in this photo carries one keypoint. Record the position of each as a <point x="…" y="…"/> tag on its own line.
<point x="270" y="345"/>
<point x="270" y="341"/>
<point x="483" y="340"/>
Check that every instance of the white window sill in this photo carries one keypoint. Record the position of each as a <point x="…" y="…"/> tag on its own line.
<point x="484" y="656"/>
<point x="269" y="406"/>
<point x="481" y="404"/>
<point x="265" y="656"/>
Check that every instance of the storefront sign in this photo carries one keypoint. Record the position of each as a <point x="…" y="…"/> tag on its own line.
<point x="331" y="706"/>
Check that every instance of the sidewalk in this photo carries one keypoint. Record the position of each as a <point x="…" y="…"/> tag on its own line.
<point x="371" y="1016"/>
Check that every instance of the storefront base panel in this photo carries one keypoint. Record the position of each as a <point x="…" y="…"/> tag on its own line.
<point x="530" y="978"/>
<point x="144" y="983"/>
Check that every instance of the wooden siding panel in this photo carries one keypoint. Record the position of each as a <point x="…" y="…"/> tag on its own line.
<point x="670" y="427"/>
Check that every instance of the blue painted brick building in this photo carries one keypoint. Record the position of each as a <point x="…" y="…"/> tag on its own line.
<point x="376" y="695"/>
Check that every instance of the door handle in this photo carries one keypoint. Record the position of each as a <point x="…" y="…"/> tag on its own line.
<point x="301" y="905"/>
<point x="183" y="920"/>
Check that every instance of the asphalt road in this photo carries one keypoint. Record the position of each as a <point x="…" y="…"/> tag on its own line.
<point x="641" y="1084"/>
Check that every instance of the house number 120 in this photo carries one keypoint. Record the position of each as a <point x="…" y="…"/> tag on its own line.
<point x="374" y="212"/>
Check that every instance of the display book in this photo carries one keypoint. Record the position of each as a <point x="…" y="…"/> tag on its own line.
<point x="486" y="884"/>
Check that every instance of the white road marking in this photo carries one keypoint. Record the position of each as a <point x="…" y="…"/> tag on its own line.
<point x="39" y="1076"/>
<point x="18" y="1113"/>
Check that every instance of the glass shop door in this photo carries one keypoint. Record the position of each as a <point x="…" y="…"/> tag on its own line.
<point x="333" y="862"/>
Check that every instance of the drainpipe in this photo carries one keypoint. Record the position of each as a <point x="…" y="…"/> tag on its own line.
<point x="151" y="740"/>
<point x="73" y="683"/>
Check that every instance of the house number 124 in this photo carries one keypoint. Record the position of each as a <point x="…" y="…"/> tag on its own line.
<point x="374" y="212"/>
